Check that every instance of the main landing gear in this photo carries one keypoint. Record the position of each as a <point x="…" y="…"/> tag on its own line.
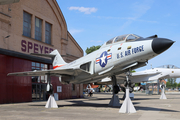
<point x="131" y="88"/>
<point x="115" y="99"/>
<point x="51" y="103"/>
<point x="127" y="106"/>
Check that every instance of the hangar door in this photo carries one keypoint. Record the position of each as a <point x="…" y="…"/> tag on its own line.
<point x="39" y="83"/>
<point x="38" y="92"/>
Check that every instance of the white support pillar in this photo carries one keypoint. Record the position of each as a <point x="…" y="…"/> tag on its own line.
<point x="127" y="106"/>
<point x="163" y="96"/>
<point x="51" y="103"/>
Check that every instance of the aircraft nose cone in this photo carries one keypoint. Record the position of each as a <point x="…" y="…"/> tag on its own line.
<point x="159" y="45"/>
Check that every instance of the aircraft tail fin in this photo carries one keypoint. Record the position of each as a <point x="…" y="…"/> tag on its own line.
<point x="56" y="57"/>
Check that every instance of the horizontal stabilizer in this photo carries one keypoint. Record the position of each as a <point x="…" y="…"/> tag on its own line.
<point x="57" y="59"/>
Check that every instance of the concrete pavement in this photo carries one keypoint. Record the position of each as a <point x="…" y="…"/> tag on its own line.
<point x="149" y="107"/>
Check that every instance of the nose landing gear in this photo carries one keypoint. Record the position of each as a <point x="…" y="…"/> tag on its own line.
<point x="127" y="106"/>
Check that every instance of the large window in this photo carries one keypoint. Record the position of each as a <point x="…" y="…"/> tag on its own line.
<point x="48" y="33"/>
<point x="39" y="66"/>
<point x="27" y="24"/>
<point x="38" y="29"/>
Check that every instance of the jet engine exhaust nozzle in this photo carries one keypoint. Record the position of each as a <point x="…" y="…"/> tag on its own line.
<point x="159" y="45"/>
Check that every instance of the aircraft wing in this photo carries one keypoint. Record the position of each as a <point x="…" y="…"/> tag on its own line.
<point x="144" y="73"/>
<point x="122" y="76"/>
<point x="52" y="72"/>
<point x="150" y="76"/>
<point x="163" y="76"/>
<point x="135" y="78"/>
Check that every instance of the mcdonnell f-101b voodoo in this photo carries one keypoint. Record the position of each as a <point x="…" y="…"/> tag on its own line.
<point x="118" y="55"/>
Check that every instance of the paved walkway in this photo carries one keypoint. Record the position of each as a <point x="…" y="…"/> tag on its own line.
<point x="149" y="107"/>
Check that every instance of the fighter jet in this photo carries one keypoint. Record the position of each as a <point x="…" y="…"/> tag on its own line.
<point x="159" y="73"/>
<point x="118" y="55"/>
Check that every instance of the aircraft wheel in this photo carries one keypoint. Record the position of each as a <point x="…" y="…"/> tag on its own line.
<point x="129" y="82"/>
<point x="123" y="89"/>
<point x="125" y="83"/>
<point x="162" y="86"/>
<point x="131" y="89"/>
<point x="132" y="84"/>
<point x="51" y="90"/>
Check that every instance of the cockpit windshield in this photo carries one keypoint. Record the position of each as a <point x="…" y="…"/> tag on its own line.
<point x="120" y="38"/>
<point x="131" y="38"/>
<point x="169" y="66"/>
<point x="126" y="37"/>
<point x="110" y="41"/>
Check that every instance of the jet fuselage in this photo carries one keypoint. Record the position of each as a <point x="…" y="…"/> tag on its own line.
<point x="117" y="57"/>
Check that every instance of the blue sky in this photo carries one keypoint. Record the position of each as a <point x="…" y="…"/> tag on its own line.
<point x="93" y="22"/>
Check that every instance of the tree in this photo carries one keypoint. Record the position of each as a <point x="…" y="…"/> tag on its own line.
<point x="92" y="49"/>
<point x="132" y="71"/>
<point x="174" y="85"/>
<point x="168" y="84"/>
<point x="178" y="85"/>
<point x="171" y="83"/>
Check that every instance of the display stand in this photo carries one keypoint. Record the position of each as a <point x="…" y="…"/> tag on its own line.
<point x="163" y="96"/>
<point x="131" y="96"/>
<point x="127" y="106"/>
<point x="115" y="99"/>
<point x="51" y="103"/>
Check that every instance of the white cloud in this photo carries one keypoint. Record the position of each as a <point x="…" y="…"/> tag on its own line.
<point x="75" y="31"/>
<point x="84" y="10"/>
<point x="126" y="18"/>
<point x="139" y="9"/>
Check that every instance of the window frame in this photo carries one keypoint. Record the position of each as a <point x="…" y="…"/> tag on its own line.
<point x="27" y="24"/>
<point x="48" y="33"/>
<point x="39" y="66"/>
<point x="38" y="30"/>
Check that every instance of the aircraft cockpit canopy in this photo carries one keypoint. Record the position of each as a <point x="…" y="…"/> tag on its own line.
<point x="125" y="38"/>
<point x="169" y="66"/>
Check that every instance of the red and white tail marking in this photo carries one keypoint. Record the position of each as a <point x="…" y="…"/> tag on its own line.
<point x="57" y="66"/>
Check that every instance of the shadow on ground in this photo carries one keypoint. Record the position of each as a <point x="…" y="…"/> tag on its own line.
<point x="85" y="104"/>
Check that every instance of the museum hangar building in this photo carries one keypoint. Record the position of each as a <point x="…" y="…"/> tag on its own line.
<point x="34" y="26"/>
